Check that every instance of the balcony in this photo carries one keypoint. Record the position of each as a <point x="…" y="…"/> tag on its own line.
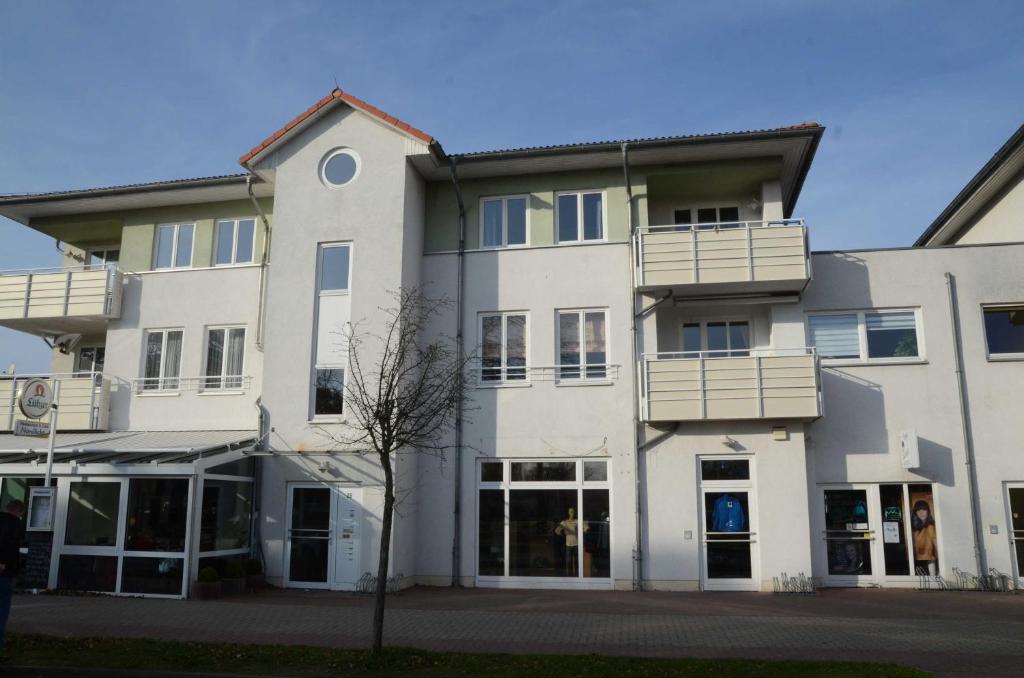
<point x="714" y="385"/>
<point x="84" y="400"/>
<point x="56" y="301"/>
<point x="724" y="258"/>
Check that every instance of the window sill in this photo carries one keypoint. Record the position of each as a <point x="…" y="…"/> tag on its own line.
<point x="504" y="384"/>
<point x="320" y="421"/>
<point x="158" y="394"/>
<point x="825" y="362"/>
<point x="218" y="392"/>
<point x="584" y="382"/>
<point x="1006" y="357"/>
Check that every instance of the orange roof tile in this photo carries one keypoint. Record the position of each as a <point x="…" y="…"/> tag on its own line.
<point x="355" y="102"/>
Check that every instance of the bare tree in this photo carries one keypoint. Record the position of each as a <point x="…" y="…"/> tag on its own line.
<point x="403" y="393"/>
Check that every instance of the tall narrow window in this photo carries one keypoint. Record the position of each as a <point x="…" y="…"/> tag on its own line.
<point x="162" y="365"/>
<point x="582" y="344"/>
<point x="173" y="246"/>
<point x="225" y="357"/>
<point x="235" y="238"/>
<point x="327" y="387"/>
<point x="503" y="222"/>
<point x="580" y="216"/>
<point x="503" y="347"/>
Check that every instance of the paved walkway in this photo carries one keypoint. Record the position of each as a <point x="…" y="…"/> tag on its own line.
<point x="950" y="634"/>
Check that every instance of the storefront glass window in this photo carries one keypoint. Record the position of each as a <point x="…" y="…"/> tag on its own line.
<point x="492" y="472"/>
<point x="227" y="513"/>
<point x="595" y="471"/>
<point x="922" y="527"/>
<point x="88" y="573"/>
<point x="492" y="532"/>
<point x="597" y="530"/>
<point x="543" y="533"/>
<point x="544" y="471"/>
<point x="157" y="514"/>
<point x="93" y="514"/>
<point x="727" y="527"/>
<point x="725" y="469"/>
<point x="155" y="576"/>
<point x="894" y="536"/>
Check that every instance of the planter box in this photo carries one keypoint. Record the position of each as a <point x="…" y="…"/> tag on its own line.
<point x="205" y="590"/>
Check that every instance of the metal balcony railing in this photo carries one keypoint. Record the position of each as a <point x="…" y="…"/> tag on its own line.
<point x="73" y="292"/>
<point x="84" y="400"/>
<point x="168" y="385"/>
<point x="526" y="374"/>
<point x="762" y="252"/>
<point x="752" y="384"/>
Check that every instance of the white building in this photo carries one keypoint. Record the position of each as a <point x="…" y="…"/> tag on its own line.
<point x="674" y="391"/>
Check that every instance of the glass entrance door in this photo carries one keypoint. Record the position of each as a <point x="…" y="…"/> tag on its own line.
<point x="849" y="534"/>
<point x="729" y="526"/>
<point x="324" y="548"/>
<point x="309" y="537"/>
<point x="1016" y="501"/>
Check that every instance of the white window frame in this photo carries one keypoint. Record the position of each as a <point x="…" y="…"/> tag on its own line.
<point x="330" y="156"/>
<point x="174" y="246"/>
<point x="320" y="247"/>
<point x="862" y="337"/>
<point x="694" y="211"/>
<point x="234" y="221"/>
<point x="504" y="380"/>
<point x="162" y="378"/>
<point x="703" y="323"/>
<point x="103" y="249"/>
<point x="504" y="221"/>
<point x="317" y="417"/>
<point x="989" y="355"/>
<point x="223" y="376"/>
<point x="583" y="378"/>
<point x="579" y="193"/>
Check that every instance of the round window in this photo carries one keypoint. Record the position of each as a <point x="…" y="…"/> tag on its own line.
<point x="339" y="168"/>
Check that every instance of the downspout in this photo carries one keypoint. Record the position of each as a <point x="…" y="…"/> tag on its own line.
<point x="264" y="260"/>
<point x="965" y="426"/>
<point x="256" y="538"/>
<point x="460" y="356"/>
<point x="638" y="432"/>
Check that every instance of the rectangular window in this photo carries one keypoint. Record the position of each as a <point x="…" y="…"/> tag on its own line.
<point x="162" y="365"/>
<point x="157" y="515"/>
<point x="93" y="510"/>
<point x="90" y="359"/>
<point x="723" y="217"/>
<point x="334" y="268"/>
<point x="235" y="238"/>
<point x="1004" y="331"/>
<point x="580" y="216"/>
<point x="98" y="258"/>
<point x="329" y="398"/>
<point x="720" y="338"/>
<point x="503" y="347"/>
<point x="582" y="344"/>
<point x="173" y="246"/>
<point x="503" y="221"/>
<point x="225" y="357"/>
<point x="227" y="515"/>
<point x="868" y="336"/>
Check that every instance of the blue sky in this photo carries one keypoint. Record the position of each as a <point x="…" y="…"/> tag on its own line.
<point x="916" y="95"/>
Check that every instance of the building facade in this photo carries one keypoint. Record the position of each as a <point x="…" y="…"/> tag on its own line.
<point x="671" y="390"/>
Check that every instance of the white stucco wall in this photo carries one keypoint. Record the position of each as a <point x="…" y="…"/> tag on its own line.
<point x="1000" y="221"/>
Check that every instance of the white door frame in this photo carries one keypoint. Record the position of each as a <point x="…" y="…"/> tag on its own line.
<point x="870" y="535"/>
<point x="736" y="486"/>
<point x="332" y="536"/>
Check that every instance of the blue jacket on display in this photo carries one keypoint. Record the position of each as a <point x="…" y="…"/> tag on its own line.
<point x="727" y="515"/>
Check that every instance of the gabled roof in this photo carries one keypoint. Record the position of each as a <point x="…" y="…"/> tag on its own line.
<point x="335" y="97"/>
<point x="1006" y="162"/>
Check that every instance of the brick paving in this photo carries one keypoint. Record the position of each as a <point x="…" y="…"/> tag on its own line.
<point x="950" y="634"/>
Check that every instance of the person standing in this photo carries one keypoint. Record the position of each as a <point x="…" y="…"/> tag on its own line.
<point x="10" y="547"/>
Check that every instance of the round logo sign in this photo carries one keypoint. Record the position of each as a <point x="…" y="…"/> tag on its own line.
<point x="35" y="399"/>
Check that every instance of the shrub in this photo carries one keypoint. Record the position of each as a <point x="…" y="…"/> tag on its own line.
<point x="234" y="570"/>
<point x="208" y="575"/>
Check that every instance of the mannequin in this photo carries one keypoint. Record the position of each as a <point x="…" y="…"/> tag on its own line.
<point x="569" y="528"/>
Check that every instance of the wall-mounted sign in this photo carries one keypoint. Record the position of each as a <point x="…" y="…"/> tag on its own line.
<point x="31" y="428"/>
<point x="41" y="501"/>
<point x="911" y="456"/>
<point x="891" y="533"/>
<point x="35" y="399"/>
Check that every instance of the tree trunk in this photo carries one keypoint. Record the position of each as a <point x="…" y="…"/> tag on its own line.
<point x="385" y="552"/>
